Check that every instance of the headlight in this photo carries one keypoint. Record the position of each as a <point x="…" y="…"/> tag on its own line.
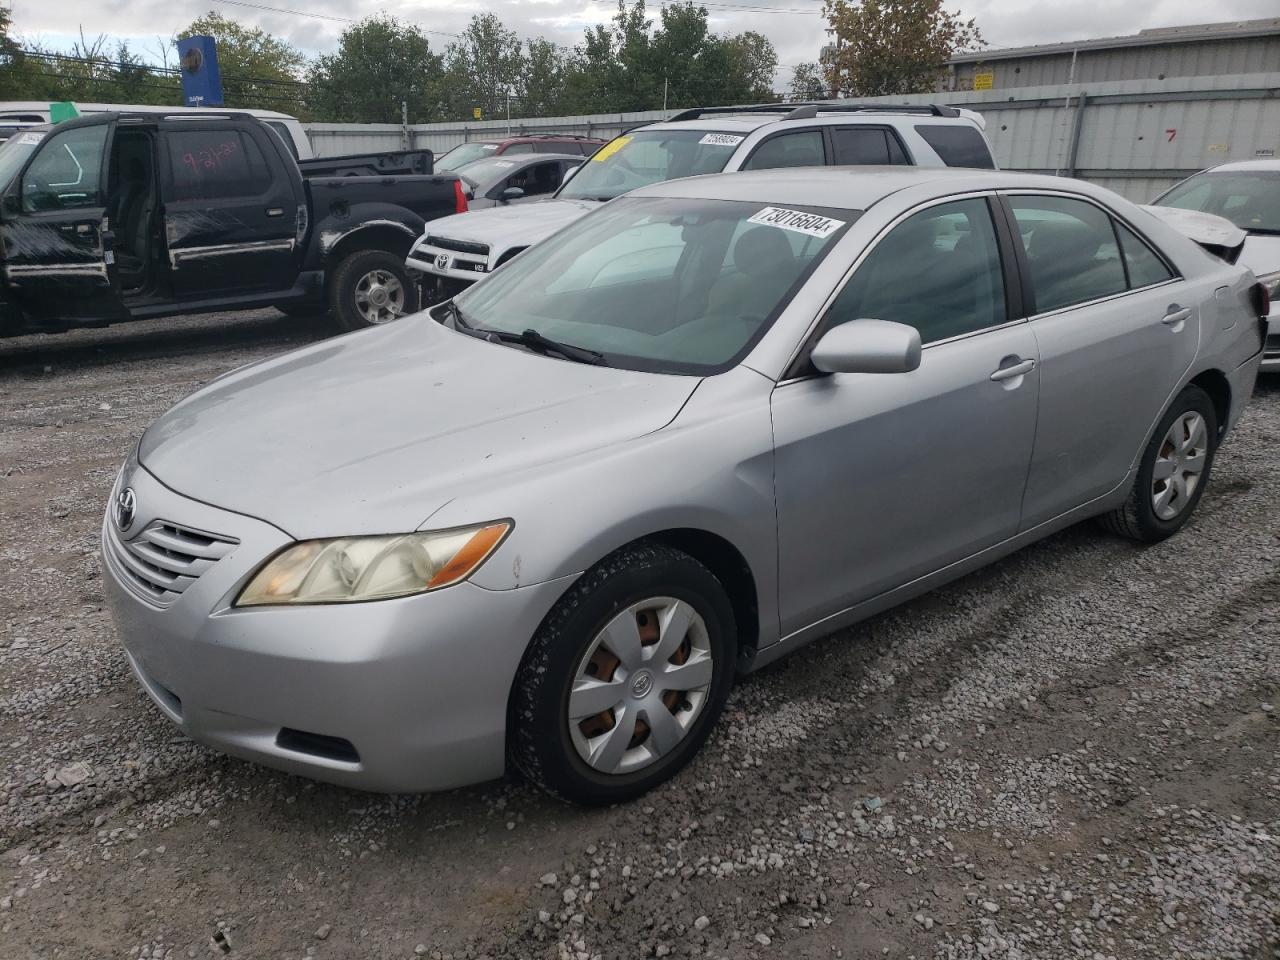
<point x="352" y="569"/>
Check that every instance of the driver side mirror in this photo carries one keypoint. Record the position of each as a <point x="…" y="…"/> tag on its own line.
<point x="868" y="346"/>
<point x="511" y="193"/>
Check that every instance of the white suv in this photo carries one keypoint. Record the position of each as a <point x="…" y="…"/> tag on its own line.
<point x="456" y="251"/>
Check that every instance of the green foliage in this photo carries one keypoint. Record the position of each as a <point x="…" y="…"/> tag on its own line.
<point x="808" y="82"/>
<point x="380" y="63"/>
<point x="886" y="47"/>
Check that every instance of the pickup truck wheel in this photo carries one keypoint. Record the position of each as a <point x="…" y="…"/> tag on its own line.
<point x="370" y="288"/>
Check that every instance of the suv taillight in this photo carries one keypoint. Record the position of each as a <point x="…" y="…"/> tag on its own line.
<point x="459" y="197"/>
<point x="1262" y="299"/>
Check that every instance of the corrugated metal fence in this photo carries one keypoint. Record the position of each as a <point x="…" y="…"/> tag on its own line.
<point x="1135" y="136"/>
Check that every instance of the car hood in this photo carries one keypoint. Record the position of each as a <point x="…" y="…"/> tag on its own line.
<point x="1261" y="254"/>
<point x="514" y="225"/>
<point x="373" y="432"/>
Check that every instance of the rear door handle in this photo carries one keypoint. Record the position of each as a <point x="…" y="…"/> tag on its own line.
<point x="275" y="211"/>
<point x="1176" y="316"/>
<point x="1019" y="369"/>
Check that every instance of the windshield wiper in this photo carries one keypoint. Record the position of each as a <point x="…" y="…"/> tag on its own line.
<point x="535" y="341"/>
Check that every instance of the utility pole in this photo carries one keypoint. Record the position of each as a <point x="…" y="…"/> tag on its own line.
<point x="508" y="111"/>
<point x="406" y="138"/>
<point x="664" y="94"/>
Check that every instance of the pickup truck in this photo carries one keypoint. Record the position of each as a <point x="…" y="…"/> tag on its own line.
<point x="126" y="216"/>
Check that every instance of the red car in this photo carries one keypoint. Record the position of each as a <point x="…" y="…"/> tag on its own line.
<point x="464" y="153"/>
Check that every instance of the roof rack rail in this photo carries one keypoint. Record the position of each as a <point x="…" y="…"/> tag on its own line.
<point x="806" y="111"/>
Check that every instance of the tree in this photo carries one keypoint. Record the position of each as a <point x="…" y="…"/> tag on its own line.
<point x="380" y="63"/>
<point x="541" y="85"/>
<point x="808" y="82"/>
<point x="886" y="47"/>
<point x="258" y="70"/>
<point x="483" y="68"/>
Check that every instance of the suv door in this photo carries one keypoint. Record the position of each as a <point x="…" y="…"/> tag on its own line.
<point x="232" y="215"/>
<point x="882" y="479"/>
<point x="1117" y="329"/>
<point x="57" y="240"/>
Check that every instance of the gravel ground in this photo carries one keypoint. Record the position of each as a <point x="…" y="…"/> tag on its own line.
<point x="1072" y="754"/>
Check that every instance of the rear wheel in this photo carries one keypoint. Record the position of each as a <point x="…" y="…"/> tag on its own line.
<point x="370" y="288"/>
<point x="625" y="678"/>
<point x="1173" y="472"/>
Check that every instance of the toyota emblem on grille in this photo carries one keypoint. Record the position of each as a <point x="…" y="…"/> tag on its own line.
<point x="442" y="261"/>
<point x="125" y="507"/>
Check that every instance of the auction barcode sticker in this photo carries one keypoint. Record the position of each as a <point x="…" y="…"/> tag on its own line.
<point x="812" y="224"/>
<point x="722" y="139"/>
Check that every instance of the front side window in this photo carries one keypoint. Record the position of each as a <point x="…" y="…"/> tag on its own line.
<point x="859" y="146"/>
<point x="1071" y="250"/>
<point x="668" y="285"/>
<point x="938" y="271"/>
<point x="801" y="149"/>
<point x="215" y="164"/>
<point x="1249" y="199"/>
<point x="958" y="145"/>
<point x="538" y="179"/>
<point x="649" y="156"/>
<point x="67" y="172"/>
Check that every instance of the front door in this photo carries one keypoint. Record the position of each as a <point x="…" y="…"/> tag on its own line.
<point x="58" y="255"/>
<point x="231" y="214"/>
<point x="1116" y="330"/>
<point x="883" y="478"/>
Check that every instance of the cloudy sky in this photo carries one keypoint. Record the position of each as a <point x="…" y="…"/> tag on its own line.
<point x="794" y="26"/>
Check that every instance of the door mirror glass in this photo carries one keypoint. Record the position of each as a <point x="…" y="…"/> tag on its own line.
<point x="511" y="193"/>
<point x="868" y="346"/>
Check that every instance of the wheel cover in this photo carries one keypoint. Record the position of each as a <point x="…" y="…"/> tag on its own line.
<point x="640" y="686"/>
<point x="1179" y="465"/>
<point x="380" y="296"/>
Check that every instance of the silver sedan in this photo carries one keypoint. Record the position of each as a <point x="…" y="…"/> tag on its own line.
<point x="546" y="523"/>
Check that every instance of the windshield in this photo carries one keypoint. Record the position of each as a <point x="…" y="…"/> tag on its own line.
<point x="671" y="286"/>
<point x="14" y="153"/>
<point x="1249" y="199"/>
<point x="649" y="156"/>
<point x="463" y="153"/>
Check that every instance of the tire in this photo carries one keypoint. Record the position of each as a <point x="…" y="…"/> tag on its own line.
<point x="359" y="270"/>
<point x="1139" y="518"/>
<point x="546" y="745"/>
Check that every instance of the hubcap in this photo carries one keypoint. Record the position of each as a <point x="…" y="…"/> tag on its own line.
<point x="1179" y="465"/>
<point x="380" y="296"/>
<point x="640" y="685"/>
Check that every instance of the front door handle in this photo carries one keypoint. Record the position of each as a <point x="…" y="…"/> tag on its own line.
<point x="1175" y="315"/>
<point x="1017" y="369"/>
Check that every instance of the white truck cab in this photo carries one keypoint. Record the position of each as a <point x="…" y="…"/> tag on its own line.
<point x="456" y="251"/>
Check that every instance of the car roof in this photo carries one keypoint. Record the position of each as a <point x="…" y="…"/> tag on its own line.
<point x="848" y="188"/>
<point x="1245" y="166"/>
<point x="748" y="121"/>
<point x="42" y="107"/>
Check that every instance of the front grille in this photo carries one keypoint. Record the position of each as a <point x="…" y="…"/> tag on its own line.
<point x="461" y="246"/>
<point x="162" y="561"/>
<point x="1272" y="348"/>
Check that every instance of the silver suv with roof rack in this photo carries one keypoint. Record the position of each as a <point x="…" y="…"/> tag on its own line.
<point x="454" y="252"/>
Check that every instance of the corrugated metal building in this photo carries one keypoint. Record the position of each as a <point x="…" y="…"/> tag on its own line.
<point x="1204" y="50"/>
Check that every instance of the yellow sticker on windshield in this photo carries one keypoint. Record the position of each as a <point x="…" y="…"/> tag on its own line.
<point x="610" y="148"/>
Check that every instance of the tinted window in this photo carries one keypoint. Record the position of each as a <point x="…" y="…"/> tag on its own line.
<point x="1145" y="268"/>
<point x="518" y="148"/>
<point x="801" y="149"/>
<point x="67" y="172"/>
<point x="537" y="179"/>
<point x="555" y="146"/>
<point x="1071" y="251"/>
<point x="855" y="146"/>
<point x="938" y="271"/>
<point x="213" y="164"/>
<point x="283" y="132"/>
<point x="958" y="145"/>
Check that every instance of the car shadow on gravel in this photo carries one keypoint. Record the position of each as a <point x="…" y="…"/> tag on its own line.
<point x="155" y="339"/>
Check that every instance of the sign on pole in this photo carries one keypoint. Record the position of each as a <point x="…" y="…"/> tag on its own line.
<point x="201" y="81"/>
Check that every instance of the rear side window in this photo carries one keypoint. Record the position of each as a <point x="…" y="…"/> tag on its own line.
<point x="283" y="131"/>
<point x="957" y="144"/>
<point x="857" y="146"/>
<point x="1071" y="249"/>
<point x="517" y="148"/>
<point x="1141" y="262"/>
<point x="216" y="164"/>
<point x="938" y="271"/>
<point x="800" y="149"/>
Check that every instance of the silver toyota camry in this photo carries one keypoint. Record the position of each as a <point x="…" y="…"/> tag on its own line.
<point x="545" y="524"/>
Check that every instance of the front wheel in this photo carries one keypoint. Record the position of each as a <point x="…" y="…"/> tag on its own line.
<point x="370" y="288"/>
<point x="625" y="678"/>
<point x="1173" y="472"/>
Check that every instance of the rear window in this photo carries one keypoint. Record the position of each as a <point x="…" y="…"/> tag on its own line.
<point x="866" y="145"/>
<point x="958" y="145"/>
<point x="213" y="164"/>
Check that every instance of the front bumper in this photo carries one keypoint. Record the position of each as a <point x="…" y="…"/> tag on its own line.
<point x="404" y="695"/>
<point x="1271" y="348"/>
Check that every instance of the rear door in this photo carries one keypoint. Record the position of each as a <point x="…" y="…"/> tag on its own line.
<point x="57" y="239"/>
<point x="233" y="215"/>
<point x="1116" y="329"/>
